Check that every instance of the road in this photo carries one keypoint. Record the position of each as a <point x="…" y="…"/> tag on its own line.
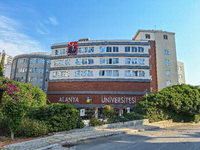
<point x="181" y="137"/>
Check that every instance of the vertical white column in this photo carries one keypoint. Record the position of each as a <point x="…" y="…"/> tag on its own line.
<point x="96" y="112"/>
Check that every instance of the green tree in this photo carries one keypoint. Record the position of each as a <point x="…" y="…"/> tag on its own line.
<point x="2" y="63"/>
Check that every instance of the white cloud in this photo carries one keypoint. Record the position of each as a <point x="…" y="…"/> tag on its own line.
<point x="53" y="20"/>
<point x="13" y="41"/>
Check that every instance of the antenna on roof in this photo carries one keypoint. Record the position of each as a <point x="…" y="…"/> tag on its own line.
<point x="154" y="27"/>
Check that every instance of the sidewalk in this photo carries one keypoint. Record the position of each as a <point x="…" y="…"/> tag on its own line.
<point x="72" y="137"/>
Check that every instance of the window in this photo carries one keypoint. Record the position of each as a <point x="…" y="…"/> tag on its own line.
<point x="90" y="61"/>
<point x="31" y="61"/>
<point x="43" y="61"/>
<point x="167" y="72"/>
<point x="141" y="61"/>
<point x="79" y="50"/>
<point x="167" y="62"/>
<point x="108" y="49"/>
<point x="101" y="72"/>
<point x="78" y="61"/>
<point x="134" y="73"/>
<point x="134" y="49"/>
<point x="109" y="61"/>
<point x="127" y="49"/>
<point x="141" y="73"/>
<point x="134" y="61"/>
<point x="77" y="74"/>
<point x="84" y="61"/>
<point x="147" y="36"/>
<point x="179" y="68"/>
<point x="166" y="52"/>
<point x="84" y="73"/>
<point x="36" y="61"/>
<point x="115" y="60"/>
<point x="84" y="50"/>
<point x="91" y="50"/>
<point x="127" y="61"/>
<point x="40" y="61"/>
<point x="115" y="72"/>
<point x="179" y="76"/>
<point x="90" y="73"/>
<point x="67" y="62"/>
<point x="165" y="37"/>
<point x="115" y="49"/>
<point x="56" y="52"/>
<point x="168" y="83"/>
<point x="127" y="73"/>
<point x="108" y="72"/>
<point x="140" y="49"/>
<point x="102" y="49"/>
<point x="102" y="60"/>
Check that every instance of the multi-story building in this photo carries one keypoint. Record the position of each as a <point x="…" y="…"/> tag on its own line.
<point x="32" y="68"/>
<point x="99" y="73"/>
<point x="7" y="64"/>
<point x="165" y="54"/>
<point x="181" y="72"/>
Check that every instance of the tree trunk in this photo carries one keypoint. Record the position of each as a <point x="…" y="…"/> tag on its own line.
<point x="12" y="134"/>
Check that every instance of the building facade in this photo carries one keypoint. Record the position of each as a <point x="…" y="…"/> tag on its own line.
<point x="99" y="73"/>
<point x="165" y="53"/>
<point x="7" y="64"/>
<point x="32" y="68"/>
<point x="181" y="72"/>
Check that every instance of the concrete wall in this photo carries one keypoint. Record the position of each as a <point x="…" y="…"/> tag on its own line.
<point x="181" y="72"/>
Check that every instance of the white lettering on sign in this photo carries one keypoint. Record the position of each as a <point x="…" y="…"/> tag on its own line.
<point x="68" y="100"/>
<point x="118" y="100"/>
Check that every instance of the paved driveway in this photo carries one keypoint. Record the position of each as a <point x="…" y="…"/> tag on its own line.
<point x="180" y="137"/>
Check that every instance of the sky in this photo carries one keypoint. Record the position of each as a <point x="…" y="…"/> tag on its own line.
<point x="34" y="25"/>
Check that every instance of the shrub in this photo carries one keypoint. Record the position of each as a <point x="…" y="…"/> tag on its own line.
<point x="32" y="128"/>
<point x="4" y="126"/>
<point x="108" y="111"/>
<point x="95" y="122"/>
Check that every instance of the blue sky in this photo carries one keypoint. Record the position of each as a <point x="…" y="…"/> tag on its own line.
<point x="34" y="25"/>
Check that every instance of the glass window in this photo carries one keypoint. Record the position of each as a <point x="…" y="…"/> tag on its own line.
<point x="78" y="61"/>
<point x="167" y="62"/>
<point x="108" y="49"/>
<point x="140" y="49"/>
<point x="141" y="61"/>
<point x="165" y="37"/>
<point x="101" y="72"/>
<point x="168" y="83"/>
<point x="56" y="52"/>
<point x="108" y="72"/>
<point x="134" y="61"/>
<point x="115" y="49"/>
<point x="40" y="61"/>
<point x="41" y="79"/>
<point x="90" y="61"/>
<point x="31" y="61"/>
<point x="179" y="68"/>
<point x="84" y="73"/>
<point x="77" y="73"/>
<point x="84" y="61"/>
<point x="62" y="73"/>
<point x="67" y="62"/>
<point x="84" y="50"/>
<point x="102" y="60"/>
<point x="38" y="70"/>
<point x="147" y="36"/>
<point x="36" y="61"/>
<point x="115" y="60"/>
<point x="108" y="60"/>
<point x="127" y="73"/>
<point x="179" y="76"/>
<point x="79" y="50"/>
<point x="127" y="61"/>
<point x="134" y="49"/>
<point x="102" y="49"/>
<point x="166" y="52"/>
<point x="91" y="49"/>
<point x="35" y="69"/>
<point x="43" y="61"/>
<point x="127" y="49"/>
<point x="141" y="73"/>
<point x="134" y="73"/>
<point x="90" y="73"/>
<point x="167" y="72"/>
<point x="115" y="72"/>
<point x="47" y="70"/>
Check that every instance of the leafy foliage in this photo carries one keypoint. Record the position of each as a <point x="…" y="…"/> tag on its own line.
<point x="95" y="122"/>
<point x="179" y="102"/>
<point x="2" y="64"/>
